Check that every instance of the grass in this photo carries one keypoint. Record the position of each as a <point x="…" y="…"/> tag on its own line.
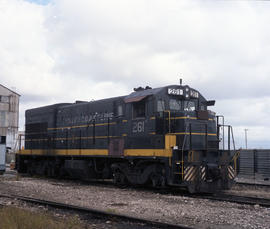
<point x="16" y="218"/>
<point x="110" y="210"/>
<point x="18" y="177"/>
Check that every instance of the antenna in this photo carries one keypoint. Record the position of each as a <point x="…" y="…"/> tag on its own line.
<point x="246" y="136"/>
<point x="180" y="82"/>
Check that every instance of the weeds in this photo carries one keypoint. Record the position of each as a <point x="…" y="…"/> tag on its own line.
<point x="18" y="177"/>
<point x="16" y="218"/>
<point x="111" y="210"/>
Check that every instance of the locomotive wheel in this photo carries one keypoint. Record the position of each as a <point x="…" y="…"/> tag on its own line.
<point x="62" y="172"/>
<point x="119" y="178"/>
<point x="158" y="180"/>
<point x="29" y="169"/>
<point x="154" y="179"/>
<point x="191" y="188"/>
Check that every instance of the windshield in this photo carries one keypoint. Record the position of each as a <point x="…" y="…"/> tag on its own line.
<point x="175" y="104"/>
<point x="189" y="106"/>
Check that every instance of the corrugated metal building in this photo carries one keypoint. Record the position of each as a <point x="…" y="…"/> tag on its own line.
<point x="255" y="164"/>
<point x="9" y="121"/>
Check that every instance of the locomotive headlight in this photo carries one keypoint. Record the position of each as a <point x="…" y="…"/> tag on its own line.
<point x="181" y="92"/>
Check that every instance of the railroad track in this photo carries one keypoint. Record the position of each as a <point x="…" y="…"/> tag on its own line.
<point x="253" y="184"/>
<point x="173" y="191"/>
<point x="237" y="199"/>
<point x="98" y="213"/>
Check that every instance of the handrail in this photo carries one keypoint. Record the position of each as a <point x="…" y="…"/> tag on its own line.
<point x="233" y="138"/>
<point x="234" y="160"/>
<point x="184" y="142"/>
<point x="223" y="131"/>
<point x="185" y="136"/>
<point x="230" y="133"/>
<point x="169" y="112"/>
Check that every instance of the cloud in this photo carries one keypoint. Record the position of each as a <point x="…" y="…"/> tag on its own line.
<point x="24" y="61"/>
<point x="67" y="50"/>
<point x="250" y="113"/>
<point x="213" y="42"/>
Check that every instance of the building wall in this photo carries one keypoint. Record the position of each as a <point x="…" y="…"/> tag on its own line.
<point x="9" y="116"/>
<point x="255" y="164"/>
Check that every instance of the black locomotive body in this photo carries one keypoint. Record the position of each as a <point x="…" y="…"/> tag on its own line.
<point x="162" y="136"/>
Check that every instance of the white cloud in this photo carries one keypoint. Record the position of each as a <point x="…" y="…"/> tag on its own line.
<point x="252" y="114"/>
<point x="24" y="62"/>
<point x="70" y="50"/>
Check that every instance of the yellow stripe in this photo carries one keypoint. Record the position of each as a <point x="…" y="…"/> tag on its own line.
<point x="98" y="152"/>
<point x="148" y="152"/>
<point x="71" y="152"/>
<point x="170" y="141"/>
<point x="101" y="137"/>
<point x="124" y="135"/>
<point x="36" y="140"/>
<point x="30" y="152"/>
<point x="72" y="138"/>
<point x="187" y="133"/>
<point x="114" y="123"/>
<point x="33" y="133"/>
<point x="185" y="117"/>
<point x="72" y="127"/>
<point x="182" y="117"/>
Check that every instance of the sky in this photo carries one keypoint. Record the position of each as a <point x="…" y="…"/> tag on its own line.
<point x="56" y="51"/>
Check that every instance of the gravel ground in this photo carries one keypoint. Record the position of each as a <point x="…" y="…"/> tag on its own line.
<point x="87" y="220"/>
<point x="198" y="213"/>
<point x="247" y="190"/>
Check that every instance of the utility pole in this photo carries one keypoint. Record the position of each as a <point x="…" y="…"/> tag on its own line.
<point x="246" y="136"/>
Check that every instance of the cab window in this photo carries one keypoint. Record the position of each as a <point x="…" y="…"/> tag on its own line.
<point x="203" y="108"/>
<point x="160" y="105"/>
<point x="119" y="110"/>
<point x="189" y="106"/>
<point x="139" y="109"/>
<point x="175" y="104"/>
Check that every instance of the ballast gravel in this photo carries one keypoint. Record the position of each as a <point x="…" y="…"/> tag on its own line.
<point x="171" y="208"/>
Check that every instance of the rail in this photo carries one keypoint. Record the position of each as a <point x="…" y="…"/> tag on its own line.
<point x="249" y="200"/>
<point x="96" y="212"/>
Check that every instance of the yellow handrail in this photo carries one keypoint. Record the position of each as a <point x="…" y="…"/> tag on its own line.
<point x="234" y="159"/>
<point x="182" y="165"/>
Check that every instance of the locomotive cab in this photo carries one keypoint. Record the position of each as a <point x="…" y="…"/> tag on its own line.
<point x="197" y="161"/>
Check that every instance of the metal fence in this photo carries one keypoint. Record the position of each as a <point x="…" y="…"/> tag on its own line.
<point x="255" y="164"/>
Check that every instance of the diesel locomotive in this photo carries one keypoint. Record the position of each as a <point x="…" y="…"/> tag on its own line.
<point x="164" y="136"/>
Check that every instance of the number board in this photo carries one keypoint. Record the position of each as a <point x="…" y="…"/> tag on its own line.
<point x="194" y="94"/>
<point x="174" y="91"/>
<point x="138" y="127"/>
